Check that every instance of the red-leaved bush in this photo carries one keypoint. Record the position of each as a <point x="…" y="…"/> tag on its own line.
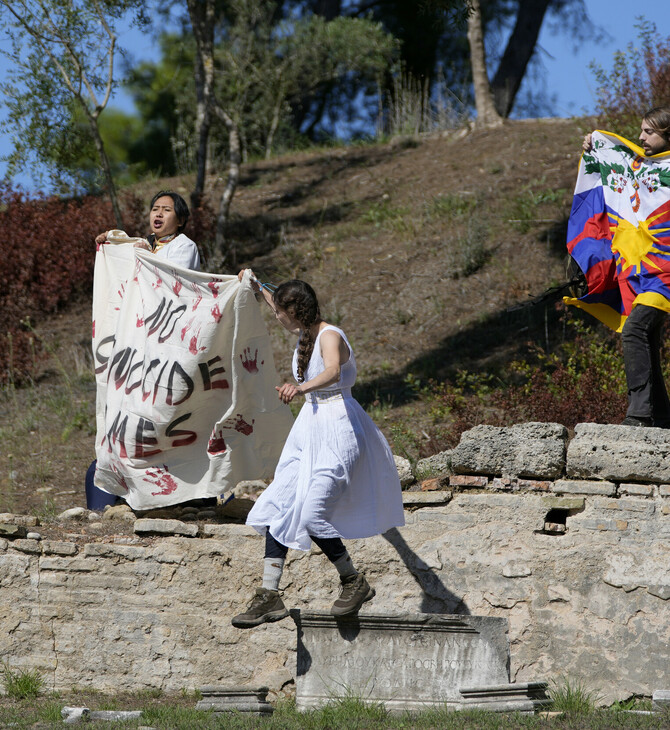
<point x="47" y="252"/>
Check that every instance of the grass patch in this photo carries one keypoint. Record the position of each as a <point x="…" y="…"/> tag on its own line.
<point x="22" y="683"/>
<point x="573" y="698"/>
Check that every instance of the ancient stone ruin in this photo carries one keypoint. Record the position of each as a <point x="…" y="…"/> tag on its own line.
<point x="564" y="540"/>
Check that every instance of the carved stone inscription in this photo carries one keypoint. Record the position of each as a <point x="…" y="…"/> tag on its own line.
<point x="405" y="661"/>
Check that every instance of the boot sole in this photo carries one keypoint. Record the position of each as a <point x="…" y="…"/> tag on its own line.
<point x="265" y="618"/>
<point x="339" y="613"/>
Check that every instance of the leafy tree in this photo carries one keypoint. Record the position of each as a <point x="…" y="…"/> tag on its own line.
<point x="251" y="63"/>
<point x="164" y="95"/>
<point x="639" y="80"/>
<point x="433" y="35"/>
<point x="63" y="54"/>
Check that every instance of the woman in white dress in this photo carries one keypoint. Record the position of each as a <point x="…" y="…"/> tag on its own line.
<point x="168" y="215"/>
<point x="336" y="477"/>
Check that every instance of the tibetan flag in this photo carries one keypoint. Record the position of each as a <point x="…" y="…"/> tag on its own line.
<point x="619" y="229"/>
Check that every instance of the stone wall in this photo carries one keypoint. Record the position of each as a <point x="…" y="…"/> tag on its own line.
<point x="568" y="541"/>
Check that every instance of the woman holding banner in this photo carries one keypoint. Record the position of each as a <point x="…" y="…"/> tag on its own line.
<point x="168" y="216"/>
<point x="336" y="477"/>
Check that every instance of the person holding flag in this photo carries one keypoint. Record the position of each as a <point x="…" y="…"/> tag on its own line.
<point x="619" y="236"/>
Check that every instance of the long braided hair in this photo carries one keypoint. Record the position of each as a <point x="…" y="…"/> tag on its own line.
<point x="299" y="300"/>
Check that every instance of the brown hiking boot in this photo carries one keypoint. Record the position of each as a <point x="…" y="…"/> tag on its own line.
<point x="355" y="591"/>
<point x="265" y="606"/>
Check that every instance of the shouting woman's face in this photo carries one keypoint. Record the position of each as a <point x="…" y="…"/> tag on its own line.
<point x="162" y="218"/>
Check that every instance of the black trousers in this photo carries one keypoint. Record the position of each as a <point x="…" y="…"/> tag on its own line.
<point x="332" y="547"/>
<point x="641" y="334"/>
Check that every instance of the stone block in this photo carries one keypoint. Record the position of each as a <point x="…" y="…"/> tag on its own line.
<point x="235" y="699"/>
<point x="664" y="490"/>
<point x="404" y="470"/>
<point x="114" y="715"/>
<point x="434" y="484"/>
<point x="524" y="697"/>
<point x="529" y="450"/>
<point x="619" y="453"/>
<point x="425" y="499"/>
<point x="23" y="520"/>
<point x="660" y="699"/>
<point x="570" y="504"/>
<point x="165" y="527"/>
<point x="435" y="465"/>
<point x="582" y="486"/>
<point x="637" y="490"/>
<point x="633" y="507"/>
<point x="13" y="532"/>
<point x="602" y="524"/>
<point x="533" y="485"/>
<point x="108" y="550"/>
<point x="468" y="480"/>
<point x="227" y="531"/>
<point x="56" y="547"/>
<point x="406" y="661"/>
<point x="33" y="547"/>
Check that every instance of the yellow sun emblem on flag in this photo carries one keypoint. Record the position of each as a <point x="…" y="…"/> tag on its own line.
<point x="635" y="243"/>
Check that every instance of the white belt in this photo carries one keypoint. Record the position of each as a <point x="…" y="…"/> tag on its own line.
<point x="324" y="396"/>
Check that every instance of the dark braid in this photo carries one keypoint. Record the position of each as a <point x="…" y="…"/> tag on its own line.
<point x="299" y="300"/>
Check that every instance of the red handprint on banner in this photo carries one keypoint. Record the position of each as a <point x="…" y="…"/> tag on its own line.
<point x="162" y="479"/>
<point x="250" y="364"/>
<point x="239" y="424"/>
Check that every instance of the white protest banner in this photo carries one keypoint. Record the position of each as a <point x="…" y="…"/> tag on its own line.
<point x="186" y="399"/>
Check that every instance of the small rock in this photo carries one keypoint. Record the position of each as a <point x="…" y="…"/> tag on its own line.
<point x="23" y="520"/>
<point x="404" y="470"/>
<point x="236" y="509"/>
<point x="13" y="532"/>
<point x="75" y="513"/>
<point x="34" y="536"/>
<point x="119" y="512"/>
<point x="206" y="514"/>
<point x="94" y="516"/>
<point x="250" y="489"/>
<point x="431" y="485"/>
<point x="72" y="715"/>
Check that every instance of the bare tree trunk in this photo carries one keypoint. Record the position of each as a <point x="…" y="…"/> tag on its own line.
<point x="518" y="53"/>
<point x="107" y="169"/>
<point x="234" y="155"/>
<point x="487" y="116"/>
<point x="202" y="13"/>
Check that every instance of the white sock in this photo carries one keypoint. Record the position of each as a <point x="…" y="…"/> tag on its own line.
<point x="272" y="571"/>
<point x="345" y="566"/>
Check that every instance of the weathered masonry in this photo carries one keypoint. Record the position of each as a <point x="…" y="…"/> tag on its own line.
<point x="569" y="541"/>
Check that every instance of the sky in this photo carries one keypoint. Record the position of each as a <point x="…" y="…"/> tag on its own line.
<point x="567" y="76"/>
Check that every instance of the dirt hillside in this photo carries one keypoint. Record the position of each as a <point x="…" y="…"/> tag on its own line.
<point x="417" y="249"/>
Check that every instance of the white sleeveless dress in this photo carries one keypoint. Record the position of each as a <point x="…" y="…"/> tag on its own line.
<point x="336" y="476"/>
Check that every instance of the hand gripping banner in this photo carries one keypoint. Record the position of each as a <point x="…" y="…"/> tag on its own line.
<point x="186" y="403"/>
